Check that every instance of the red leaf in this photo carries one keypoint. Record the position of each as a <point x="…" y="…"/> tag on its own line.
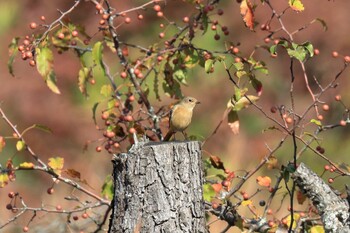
<point x="247" y="13"/>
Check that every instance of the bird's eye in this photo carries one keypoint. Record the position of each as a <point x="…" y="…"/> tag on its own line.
<point x="191" y="100"/>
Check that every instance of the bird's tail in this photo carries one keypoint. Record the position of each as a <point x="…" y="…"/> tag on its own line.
<point x="168" y="136"/>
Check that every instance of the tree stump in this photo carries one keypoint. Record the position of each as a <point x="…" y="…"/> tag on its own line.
<point x="158" y="188"/>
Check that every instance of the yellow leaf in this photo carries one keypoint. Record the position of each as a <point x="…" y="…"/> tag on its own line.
<point x="316" y="229"/>
<point x="247" y="202"/>
<point x="56" y="164"/>
<point x="272" y="163"/>
<point x="296" y="219"/>
<point x="264" y="181"/>
<point x="296" y="5"/>
<point x="20" y="145"/>
<point x="247" y="13"/>
<point x="26" y="165"/>
<point x="3" y="179"/>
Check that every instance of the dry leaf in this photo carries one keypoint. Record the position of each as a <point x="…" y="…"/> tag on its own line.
<point x="216" y="162"/>
<point x="247" y="13"/>
<point x="264" y="181"/>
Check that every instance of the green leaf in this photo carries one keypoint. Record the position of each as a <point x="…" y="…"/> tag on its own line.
<point x="301" y="52"/>
<point x="13" y="50"/>
<point x="97" y="55"/>
<point x="20" y="145"/>
<point x="273" y="49"/>
<point x="208" y="192"/>
<point x="205" y="23"/>
<point x="208" y="65"/>
<point x="317" y="122"/>
<point x="83" y="77"/>
<point x="323" y="23"/>
<point x="309" y="47"/>
<point x="238" y="65"/>
<point x="180" y="74"/>
<point x="191" y="58"/>
<point x="107" y="90"/>
<point x="43" y="128"/>
<point x="94" y="112"/>
<point x="108" y="188"/>
<point x="244" y="102"/>
<point x="44" y="65"/>
<point x="296" y="5"/>
<point x="56" y="164"/>
<point x="257" y="85"/>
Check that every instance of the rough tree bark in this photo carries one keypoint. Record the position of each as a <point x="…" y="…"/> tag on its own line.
<point x="158" y="188"/>
<point x="334" y="210"/>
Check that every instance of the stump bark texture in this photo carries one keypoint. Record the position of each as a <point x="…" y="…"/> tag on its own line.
<point x="158" y="188"/>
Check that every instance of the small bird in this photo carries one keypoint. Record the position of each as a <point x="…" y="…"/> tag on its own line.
<point x="181" y="116"/>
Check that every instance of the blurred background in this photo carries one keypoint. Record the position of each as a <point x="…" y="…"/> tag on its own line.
<point x="26" y="100"/>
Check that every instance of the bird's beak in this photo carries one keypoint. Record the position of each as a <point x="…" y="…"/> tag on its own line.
<point x="198" y="102"/>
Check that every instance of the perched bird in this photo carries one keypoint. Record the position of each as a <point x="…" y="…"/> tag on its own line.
<point x="180" y="116"/>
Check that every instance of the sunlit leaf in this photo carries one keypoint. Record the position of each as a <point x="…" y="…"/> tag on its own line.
<point x="316" y="122"/>
<point x="26" y="165"/>
<point x="97" y="55"/>
<point x="208" y="65"/>
<point x="83" y="77"/>
<point x="20" y="145"/>
<point x="296" y="218"/>
<point x="243" y="102"/>
<point x="264" y="181"/>
<point x="208" y="192"/>
<point x="247" y="13"/>
<point x="107" y="90"/>
<point x="296" y="5"/>
<point x="44" y="65"/>
<point x="316" y="229"/>
<point x="13" y="50"/>
<point x="247" y="203"/>
<point x="233" y="121"/>
<point x="4" y="178"/>
<point x="108" y="188"/>
<point x="56" y="164"/>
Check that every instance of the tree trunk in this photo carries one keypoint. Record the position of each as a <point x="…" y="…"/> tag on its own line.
<point x="334" y="210"/>
<point x="158" y="188"/>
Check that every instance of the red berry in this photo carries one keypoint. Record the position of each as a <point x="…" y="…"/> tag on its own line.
<point x="213" y="27"/>
<point x="50" y="191"/>
<point x="58" y="207"/>
<point x="267" y="40"/>
<point x="337" y="97"/>
<point x="316" y="52"/>
<point x="271" y="223"/>
<point x="237" y="59"/>
<point x="320" y="117"/>
<point x="25" y="229"/>
<point x="9" y="206"/>
<point x="102" y="22"/>
<point x="159" y="58"/>
<point x="157" y="7"/>
<point x="160" y="14"/>
<point x="33" y="25"/>
<point x="289" y="120"/>
<point x="325" y="107"/>
<point x="85" y="215"/>
<point x="140" y="17"/>
<point x="220" y="11"/>
<point x="136" y="71"/>
<point x="98" y="149"/>
<point x="92" y="81"/>
<point x="105" y="16"/>
<point x="127" y="20"/>
<point x="60" y="35"/>
<point x="75" y="33"/>
<point x="330" y="180"/>
<point x="132" y="130"/>
<point x="335" y="54"/>
<point x="75" y="218"/>
<point x="32" y="63"/>
<point x="131" y="98"/>
<point x="116" y="145"/>
<point x="342" y="123"/>
<point x="98" y="7"/>
<point x="347" y="59"/>
<point x="217" y="37"/>
<point x="327" y="167"/>
<point x="245" y="196"/>
<point x="29" y="54"/>
<point x="128" y="118"/>
<point x="235" y="50"/>
<point x="225" y="183"/>
<point x="42" y="18"/>
<point x="26" y="42"/>
<point x="110" y="134"/>
<point x="11" y="195"/>
<point x="161" y="35"/>
<point x="123" y="74"/>
<point x="186" y="19"/>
